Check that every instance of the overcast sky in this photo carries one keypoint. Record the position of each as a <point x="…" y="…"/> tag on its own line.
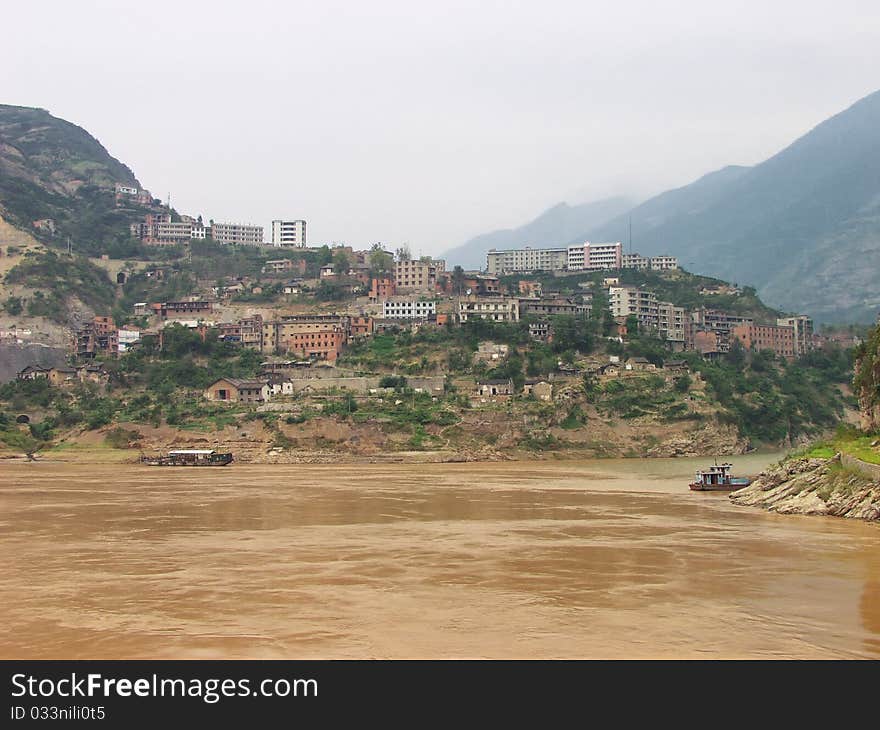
<point x="427" y="123"/>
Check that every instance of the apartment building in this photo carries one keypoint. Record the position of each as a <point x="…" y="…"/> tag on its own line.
<point x="593" y="256"/>
<point x="803" y="332"/>
<point x="625" y="301"/>
<point x="409" y="309"/>
<point x="526" y="259"/>
<point x="418" y="274"/>
<point x="237" y="234"/>
<point x="548" y="307"/>
<point x="318" y="336"/>
<point x="497" y="309"/>
<point x="98" y="337"/>
<point x="776" y="338"/>
<point x="635" y="261"/>
<point x="674" y="325"/>
<point x="718" y="322"/>
<point x="663" y="263"/>
<point x="291" y="234"/>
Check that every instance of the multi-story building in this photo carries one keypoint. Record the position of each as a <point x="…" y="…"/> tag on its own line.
<point x="289" y="233"/>
<point x="382" y="289"/>
<point x="773" y="337"/>
<point x="195" y="309"/>
<point x="497" y="309"/>
<point x="247" y="331"/>
<point x="593" y="256"/>
<point x="98" y="337"/>
<point x="663" y="263"/>
<point x="409" y="308"/>
<point x="418" y="274"/>
<point x="635" y="261"/>
<point x="526" y="259"/>
<point x="548" y="307"/>
<point x="626" y="301"/>
<point x="673" y="324"/>
<point x="803" y="332"/>
<point x="237" y="234"/>
<point x="318" y="336"/>
<point x="719" y="322"/>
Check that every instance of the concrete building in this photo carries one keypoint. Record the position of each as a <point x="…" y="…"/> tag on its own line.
<point x="418" y="274"/>
<point x="625" y="301"/>
<point x="673" y="324"/>
<point x="526" y="259"/>
<point x="497" y="309"/>
<point x="635" y="261"/>
<point x="663" y="263"/>
<point x="289" y="234"/>
<point x="593" y="256"/>
<point x="315" y="336"/>
<point x="776" y="338"/>
<point x="718" y="322"/>
<point x="237" y="234"/>
<point x="803" y="332"/>
<point x="409" y="308"/>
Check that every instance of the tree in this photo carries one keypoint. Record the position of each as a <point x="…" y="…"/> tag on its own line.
<point x="13" y="306"/>
<point x="403" y="253"/>
<point x="340" y="262"/>
<point x="380" y="261"/>
<point x="458" y="279"/>
<point x="632" y="325"/>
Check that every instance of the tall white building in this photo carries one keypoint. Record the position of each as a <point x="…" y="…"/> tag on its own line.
<point x="289" y="233"/>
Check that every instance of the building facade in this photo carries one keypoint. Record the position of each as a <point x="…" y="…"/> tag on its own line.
<point x="290" y="234"/>
<point x="526" y="259"/>
<point x="497" y="309"/>
<point x="409" y="309"/>
<point x="237" y="234"/>
<point x="418" y="274"/>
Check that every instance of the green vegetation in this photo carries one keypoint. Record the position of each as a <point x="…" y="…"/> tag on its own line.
<point x="57" y="279"/>
<point x="850" y="441"/>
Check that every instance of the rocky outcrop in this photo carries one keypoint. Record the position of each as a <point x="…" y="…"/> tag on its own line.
<point x="815" y="487"/>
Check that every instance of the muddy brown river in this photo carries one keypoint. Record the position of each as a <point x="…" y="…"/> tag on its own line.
<point x="598" y="559"/>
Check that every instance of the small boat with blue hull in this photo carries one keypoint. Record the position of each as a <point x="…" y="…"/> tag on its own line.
<point x="718" y="478"/>
<point x="189" y="457"/>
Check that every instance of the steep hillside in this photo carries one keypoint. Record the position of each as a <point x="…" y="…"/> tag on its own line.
<point x="554" y="227"/>
<point x="50" y="168"/>
<point x="803" y="226"/>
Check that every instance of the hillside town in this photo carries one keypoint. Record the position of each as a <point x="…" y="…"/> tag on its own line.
<point x="302" y="338"/>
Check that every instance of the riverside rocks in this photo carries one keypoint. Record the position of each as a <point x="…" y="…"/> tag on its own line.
<point x="814" y="487"/>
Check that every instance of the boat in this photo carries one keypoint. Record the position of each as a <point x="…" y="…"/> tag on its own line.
<point x="718" y="478"/>
<point x="189" y="457"/>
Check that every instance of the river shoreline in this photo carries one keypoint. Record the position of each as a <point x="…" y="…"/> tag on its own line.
<point x="838" y="487"/>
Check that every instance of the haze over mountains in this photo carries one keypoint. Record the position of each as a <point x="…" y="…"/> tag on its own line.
<point x="803" y="226"/>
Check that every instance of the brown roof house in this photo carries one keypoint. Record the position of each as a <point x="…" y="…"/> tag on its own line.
<point x="640" y="364"/>
<point x="235" y="390"/>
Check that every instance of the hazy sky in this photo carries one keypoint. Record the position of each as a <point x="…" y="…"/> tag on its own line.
<point x="427" y="123"/>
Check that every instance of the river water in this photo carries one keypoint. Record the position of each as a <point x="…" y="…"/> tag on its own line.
<point x="594" y="559"/>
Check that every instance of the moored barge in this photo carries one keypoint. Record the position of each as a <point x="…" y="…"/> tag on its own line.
<point x="189" y="457"/>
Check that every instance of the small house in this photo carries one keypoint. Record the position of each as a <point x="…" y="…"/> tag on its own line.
<point x="540" y="389"/>
<point x="236" y="390"/>
<point x="495" y="387"/>
<point x="640" y="364"/>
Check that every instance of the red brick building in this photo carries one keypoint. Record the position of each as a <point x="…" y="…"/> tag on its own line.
<point x="776" y="338"/>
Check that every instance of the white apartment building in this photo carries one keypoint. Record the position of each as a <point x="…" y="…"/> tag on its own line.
<point x="289" y="233"/>
<point x="526" y="259"/>
<point x="237" y="234"/>
<point x="409" y="309"/>
<point x="625" y="301"/>
<point x="664" y="263"/>
<point x="418" y="274"/>
<point x="167" y="231"/>
<point x="497" y="309"/>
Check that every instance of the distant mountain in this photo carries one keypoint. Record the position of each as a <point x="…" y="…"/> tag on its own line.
<point x="803" y="226"/>
<point x="50" y="168"/>
<point x="554" y="227"/>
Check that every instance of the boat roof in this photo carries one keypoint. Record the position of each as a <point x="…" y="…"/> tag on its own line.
<point x="192" y="451"/>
